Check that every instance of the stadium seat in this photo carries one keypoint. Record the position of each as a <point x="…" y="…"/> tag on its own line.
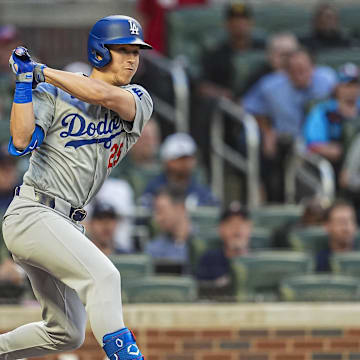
<point x="258" y="275"/>
<point x="162" y="289"/>
<point x="192" y="29"/>
<point x="347" y="263"/>
<point x="205" y="218"/>
<point x="312" y="239"/>
<point x="260" y="238"/>
<point x="336" y="57"/>
<point x="320" y="287"/>
<point x="282" y="17"/>
<point x="348" y="14"/>
<point x="132" y="266"/>
<point x="276" y="215"/>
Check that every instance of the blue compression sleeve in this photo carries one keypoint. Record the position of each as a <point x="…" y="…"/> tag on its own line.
<point x="23" y="93"/>
<point x="36" y="140"/>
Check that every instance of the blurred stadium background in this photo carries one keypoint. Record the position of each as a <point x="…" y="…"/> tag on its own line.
<point x="263" y="259"/>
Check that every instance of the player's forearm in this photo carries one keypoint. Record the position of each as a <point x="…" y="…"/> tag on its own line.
<point x="22" y="124"/>
<point x="82" y="87"/>
<point x="93" y="91"/>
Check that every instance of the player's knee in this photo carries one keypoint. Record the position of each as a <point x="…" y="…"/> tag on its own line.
<point x="71" y="340"/>
<point x="75" y="339"/>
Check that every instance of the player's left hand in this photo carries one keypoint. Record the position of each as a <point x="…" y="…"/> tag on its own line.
<point x="38" y="74"/>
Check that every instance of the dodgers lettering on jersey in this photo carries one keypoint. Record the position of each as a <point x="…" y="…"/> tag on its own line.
<point x="82" y="144"/>
<point x="77" y="126"/>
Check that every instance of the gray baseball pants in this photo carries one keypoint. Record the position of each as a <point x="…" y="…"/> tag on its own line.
<point x="70" y="277"/>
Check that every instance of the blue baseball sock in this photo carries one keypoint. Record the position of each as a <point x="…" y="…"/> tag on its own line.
<point x="121" y="345"/>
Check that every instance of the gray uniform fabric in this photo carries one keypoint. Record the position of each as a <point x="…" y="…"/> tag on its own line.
<point x="68" y="273"/>
<point x="83" y="142"/>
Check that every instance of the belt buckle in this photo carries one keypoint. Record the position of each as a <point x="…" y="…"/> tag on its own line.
<point x="78" y="214"/>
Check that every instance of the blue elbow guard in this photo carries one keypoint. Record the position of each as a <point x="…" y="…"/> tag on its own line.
<point x="36" y="140"/>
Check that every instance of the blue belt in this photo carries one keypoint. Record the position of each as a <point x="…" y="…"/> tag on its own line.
<point x="76" y="214"/>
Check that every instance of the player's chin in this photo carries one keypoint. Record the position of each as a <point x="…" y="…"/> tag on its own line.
<point x="124" y="79"/>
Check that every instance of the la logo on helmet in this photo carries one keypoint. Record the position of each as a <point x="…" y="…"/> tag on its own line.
<point x="134" y="30"/>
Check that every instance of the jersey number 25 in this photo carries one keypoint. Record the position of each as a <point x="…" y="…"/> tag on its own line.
<point x="115" y="153"/>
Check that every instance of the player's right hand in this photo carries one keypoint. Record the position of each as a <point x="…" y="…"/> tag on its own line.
<point x="21" y="64"/>
<point x="20" y="61"/>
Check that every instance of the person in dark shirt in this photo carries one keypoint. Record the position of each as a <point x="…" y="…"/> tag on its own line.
<point x="102" y="228"/>
<point x="234" y="230"/>
<point x="218" y="72"/>
<point x="326" y="30"/>
<point x="341" y="226"/>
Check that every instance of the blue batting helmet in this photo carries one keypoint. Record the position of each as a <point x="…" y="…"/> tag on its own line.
<point x="114" y="29"/>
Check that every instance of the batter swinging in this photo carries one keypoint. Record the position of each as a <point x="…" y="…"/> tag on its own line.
<point x="78" y="129"/>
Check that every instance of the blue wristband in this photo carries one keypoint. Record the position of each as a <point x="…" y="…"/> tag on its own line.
<point x="23" y="93"/>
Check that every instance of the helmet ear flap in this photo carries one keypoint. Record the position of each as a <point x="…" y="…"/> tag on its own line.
<point x="98" y="54"/>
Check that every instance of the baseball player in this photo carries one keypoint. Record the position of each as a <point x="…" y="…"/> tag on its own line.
<point x="78" y="129"/>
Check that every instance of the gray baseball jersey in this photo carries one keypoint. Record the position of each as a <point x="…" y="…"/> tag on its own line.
<point x="82" y="144"/>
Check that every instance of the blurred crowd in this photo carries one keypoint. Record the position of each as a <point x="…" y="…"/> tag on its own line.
<point x="158" y="201"/>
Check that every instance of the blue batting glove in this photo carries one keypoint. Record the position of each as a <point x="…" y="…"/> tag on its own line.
<point x="38" y="74"/>
<point x="22" y="65"/>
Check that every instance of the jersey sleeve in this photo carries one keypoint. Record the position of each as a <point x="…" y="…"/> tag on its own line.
<point x="144" y="109"/>
<point x="44" y="98"/>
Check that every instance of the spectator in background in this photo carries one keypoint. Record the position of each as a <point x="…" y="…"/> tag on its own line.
<point x="78" y="67"/>
<point x="279" y="101"/>
<point x="217" y="68"/>
<point x="175" y="229"/>
<point x="350" y="176"/>
<point x="178" y="154"/>
<point x="313" y="215"/>
<point x="8" y="179"/>
<point x="153" y="17"/>
<point x="341" y="226"/>
<point x="332" y="124"/>
<point x="234" y="230"/>
<point x="326" y="31"/>
<point x="9" y="40"/>
<point x="102" y="227"/>
<point x="119" y="195"/>
<point x="278" y="47"/>
<point x="142" y="164"/>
